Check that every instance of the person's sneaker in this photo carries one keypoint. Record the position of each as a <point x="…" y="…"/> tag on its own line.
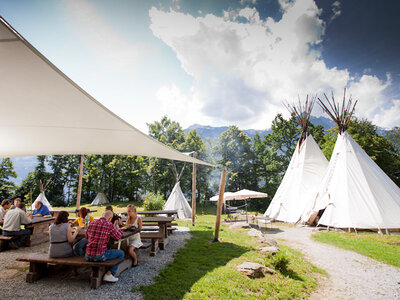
<point x="12" y="245"/>
<point x="110" y="278"/>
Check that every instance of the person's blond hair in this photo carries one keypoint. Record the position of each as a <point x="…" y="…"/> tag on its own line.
<point x="129" y="220"/>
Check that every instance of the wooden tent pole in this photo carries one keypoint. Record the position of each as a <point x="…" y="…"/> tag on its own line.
<point x="78" y="197"/>
<point x="194" y="191"/>
<point x="220" y="202"/>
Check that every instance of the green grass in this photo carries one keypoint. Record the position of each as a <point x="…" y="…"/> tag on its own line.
<point x="206" y="270"/>
<point x="384" y="248"/>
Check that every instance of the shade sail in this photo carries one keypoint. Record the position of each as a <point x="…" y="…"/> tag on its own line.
<point x="46" y="113"/>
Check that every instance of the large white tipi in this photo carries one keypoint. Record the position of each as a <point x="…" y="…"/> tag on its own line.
<point x="100" y="199"/>
<point x="42" y="197"/>
<point x="355" y="192"/>
<point x="306" y="169"/>
<point x="177" y="200"/>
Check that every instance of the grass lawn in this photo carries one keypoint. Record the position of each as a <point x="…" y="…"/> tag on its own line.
<point x="384" y="248"/>
<point x="206" y="270"/>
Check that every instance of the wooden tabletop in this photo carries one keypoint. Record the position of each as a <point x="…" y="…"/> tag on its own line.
<point x="37" y="220"/>
<point x="158" y="219"/>
<point x="154" y="212"/>
<point x="125" y="233"/>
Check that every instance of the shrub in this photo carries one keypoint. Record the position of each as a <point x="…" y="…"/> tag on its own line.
<point x="153" y="202"/>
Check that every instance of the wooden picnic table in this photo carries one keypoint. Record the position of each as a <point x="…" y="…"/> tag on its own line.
<point x="154" y="213"/>
<point x="162" y="223"/>
<point x="55" y="213"/>
<point x="40" y="233"/>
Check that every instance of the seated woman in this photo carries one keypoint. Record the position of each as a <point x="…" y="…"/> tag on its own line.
<point x="40" y="210"/>
<point x="61" y="237"/>
<point x="135" y="242"/>
<point x="83" y="218"/>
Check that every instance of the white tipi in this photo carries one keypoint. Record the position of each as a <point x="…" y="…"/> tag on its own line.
<point x="302" y="177"/>
<point x="176" y="199"/>
<point x="355" y="192"/>
<point x="42" y="197"/>
<point x="100" y="199"/>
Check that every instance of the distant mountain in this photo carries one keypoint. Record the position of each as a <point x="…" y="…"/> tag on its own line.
<point x="325" y="122"/>
<point x="206" y="131"/>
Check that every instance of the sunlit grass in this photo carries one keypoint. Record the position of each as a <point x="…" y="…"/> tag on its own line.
<point x="206" y="270"/>
<point x="384" y="248"/>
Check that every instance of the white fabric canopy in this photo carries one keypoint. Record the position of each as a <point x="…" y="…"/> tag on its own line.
<point x="246" y="194"/>
<point x="299" y="185"/>
<point x="43" y="112"/>
<point x="100" y="199"/>
<point x="42" y="198"/>
<point x="177" y="200"/>
<point x="355" y="192"/>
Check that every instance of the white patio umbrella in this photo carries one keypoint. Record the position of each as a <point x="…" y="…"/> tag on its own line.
<point x="226" y="195"/>
<point x="245" y="195"/>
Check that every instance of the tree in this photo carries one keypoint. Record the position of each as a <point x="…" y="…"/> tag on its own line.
<point x="7" y="187"/>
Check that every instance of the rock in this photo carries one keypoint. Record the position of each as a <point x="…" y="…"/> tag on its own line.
<point x="254" y="270"/>
<point x="254" y="232"/>
<point x="239" y="225"/>
<point x="270" y="242"/>
<point x="272" y="249"/>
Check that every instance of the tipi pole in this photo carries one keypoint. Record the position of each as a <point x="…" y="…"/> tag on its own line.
<point x="220" y="201"/>
<point x="194" y="191"/>
<point x="78" y="197"/>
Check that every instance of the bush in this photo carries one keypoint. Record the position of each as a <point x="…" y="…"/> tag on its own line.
<point x="153" y="202"/>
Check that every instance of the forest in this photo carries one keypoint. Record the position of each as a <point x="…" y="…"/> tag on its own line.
<point x="257" y="164"/>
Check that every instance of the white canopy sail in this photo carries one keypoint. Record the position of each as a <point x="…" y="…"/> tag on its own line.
<point x="46" y="113"/>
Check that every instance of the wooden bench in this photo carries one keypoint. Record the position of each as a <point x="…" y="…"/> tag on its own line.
<point x="4" y="240"/>
<point x="39" y="262"/>
<point x="155" y="237"/>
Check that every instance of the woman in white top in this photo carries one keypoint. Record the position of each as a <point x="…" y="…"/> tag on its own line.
<point x="135" y="242"/>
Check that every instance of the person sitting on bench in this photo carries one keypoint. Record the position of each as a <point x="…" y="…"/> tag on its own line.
<point x="12" y="226"/>
<point x="98" y="233"/>
<point x="134" y="241"/>
<point x="5" y="205"/>
<point x="40" y="210"/>
<point x="17" y="201"/>
<point x="116" y="220"/>
<point x="83" y="218"/>
<point x="61" y="237"/>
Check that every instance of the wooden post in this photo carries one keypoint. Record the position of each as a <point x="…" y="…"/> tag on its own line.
<point x="78" y="197"/>
<point x="220" y="202"/>
<point x="194" y="191"/>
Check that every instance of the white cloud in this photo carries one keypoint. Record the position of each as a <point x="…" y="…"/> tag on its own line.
<point x="336" y="10"/>
<point x="100" y="38"/>
<point x="243" y="71"/>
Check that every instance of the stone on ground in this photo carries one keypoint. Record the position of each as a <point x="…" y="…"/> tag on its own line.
<point x="271" y="249"/>
<point x="254" y="232"/>
<point x="270" y="242"/>
<point x="254" y="270"/>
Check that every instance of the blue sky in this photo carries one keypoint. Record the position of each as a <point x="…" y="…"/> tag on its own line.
<point x="219" y="62"/>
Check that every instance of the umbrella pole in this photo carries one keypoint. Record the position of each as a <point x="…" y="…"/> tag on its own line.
<point x="220" y="201"/>
<point x="194" y="191"/>
<point x="245" y="204"/>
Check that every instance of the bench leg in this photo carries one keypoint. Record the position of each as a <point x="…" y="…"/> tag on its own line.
<point x="124" y="265"/>
<point x="36" y="271"/>
<point x="154" y="247"/>
<point x="96" y="278"/>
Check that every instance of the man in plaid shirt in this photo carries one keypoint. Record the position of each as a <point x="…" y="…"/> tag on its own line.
<point x="98" y="233"/>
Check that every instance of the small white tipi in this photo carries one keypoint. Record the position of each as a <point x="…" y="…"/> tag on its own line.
<point x="100" y="199"/>
<point x="42" y="197"/>
<point x="306" y="169"/>
<point x="355" y="192"/>
<point x="177" y="200"/>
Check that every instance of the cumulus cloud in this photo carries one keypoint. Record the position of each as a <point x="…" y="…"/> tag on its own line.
<point x="336" y="10"/>
<point x="100" y="38"/>
<point x="243" y="70"/>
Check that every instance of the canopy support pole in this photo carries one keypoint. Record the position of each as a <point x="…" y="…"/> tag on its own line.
<point x="194" y="191"/>
<point x="220" y="201"/>
<point x="78" y="197"/>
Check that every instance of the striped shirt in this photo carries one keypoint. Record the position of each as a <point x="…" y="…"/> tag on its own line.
<point x="98" y="234"/>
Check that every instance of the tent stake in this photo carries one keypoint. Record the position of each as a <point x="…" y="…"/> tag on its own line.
<point x="220" y="201"/>
<point x="78" y="197"/>
<point x="194" y="191"/>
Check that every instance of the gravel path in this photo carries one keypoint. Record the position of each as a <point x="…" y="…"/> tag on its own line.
<point x="79" y="287"/>
<point x="351" y="275"/>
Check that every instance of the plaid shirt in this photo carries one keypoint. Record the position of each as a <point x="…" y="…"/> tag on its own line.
<point x="98" y="234"/>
